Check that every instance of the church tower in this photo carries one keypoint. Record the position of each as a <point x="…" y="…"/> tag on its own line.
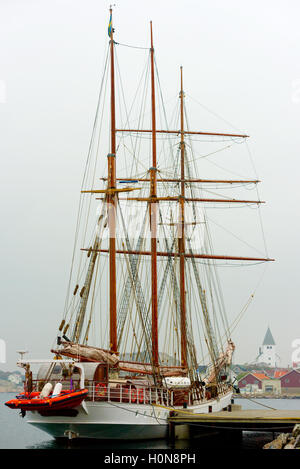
<point x="267" y="352"/>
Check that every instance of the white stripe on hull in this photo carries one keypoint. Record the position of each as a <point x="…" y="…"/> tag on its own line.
<point x="118" y="421"/>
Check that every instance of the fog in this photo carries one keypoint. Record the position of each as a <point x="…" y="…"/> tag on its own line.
<point x="241" y="60"/>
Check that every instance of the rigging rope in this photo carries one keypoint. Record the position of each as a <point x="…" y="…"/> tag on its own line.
<point x="132" y="47"/>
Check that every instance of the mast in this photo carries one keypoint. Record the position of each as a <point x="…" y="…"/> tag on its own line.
<point x="153" y="216"/>
<point x="181" y="235"/>
<point x="111" y="202"/>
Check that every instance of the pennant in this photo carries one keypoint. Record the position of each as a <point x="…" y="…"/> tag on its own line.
<point x="110" y="25"/>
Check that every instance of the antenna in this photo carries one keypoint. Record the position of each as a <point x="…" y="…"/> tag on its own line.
<point x="22" y="353"/>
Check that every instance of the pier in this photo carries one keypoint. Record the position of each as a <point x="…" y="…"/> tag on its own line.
<point x="182" y="424"/>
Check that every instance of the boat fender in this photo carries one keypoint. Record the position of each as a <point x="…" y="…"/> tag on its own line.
<point x="101" y="390"/>
<point x="57" y="389"/>
<point x="46" y="390"/>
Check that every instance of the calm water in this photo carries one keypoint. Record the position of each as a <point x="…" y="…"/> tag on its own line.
<point x="15" y="433"/>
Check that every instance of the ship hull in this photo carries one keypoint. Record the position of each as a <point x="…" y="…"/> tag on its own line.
<point x="118" y="421"/>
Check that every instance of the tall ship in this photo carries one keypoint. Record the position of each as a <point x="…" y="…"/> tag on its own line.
<point x="144" y="308"/>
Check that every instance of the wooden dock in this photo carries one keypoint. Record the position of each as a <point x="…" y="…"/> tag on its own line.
<point x="264" y="420"/>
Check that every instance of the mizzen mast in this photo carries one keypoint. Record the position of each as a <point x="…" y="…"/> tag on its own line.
<point x="153" y="216"/>
<point x="181" y="234"/>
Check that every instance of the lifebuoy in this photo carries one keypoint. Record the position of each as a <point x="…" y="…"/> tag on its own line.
<point x="141" y="395"/>
<point x="101" y="390"/>
<point x="133" y="395"/>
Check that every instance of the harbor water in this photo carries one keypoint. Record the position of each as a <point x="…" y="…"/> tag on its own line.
<point x="15" y="433"/>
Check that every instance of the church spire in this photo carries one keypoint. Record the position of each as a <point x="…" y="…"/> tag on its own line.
<point x="269" y="340"/>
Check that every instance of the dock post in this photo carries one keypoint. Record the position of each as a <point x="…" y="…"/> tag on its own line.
<point x="171" y="428"/>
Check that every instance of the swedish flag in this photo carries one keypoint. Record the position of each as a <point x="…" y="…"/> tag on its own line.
<point x="110" y="25"/>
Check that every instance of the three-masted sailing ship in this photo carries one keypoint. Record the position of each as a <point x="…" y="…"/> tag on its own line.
<point x="146" y="282"/>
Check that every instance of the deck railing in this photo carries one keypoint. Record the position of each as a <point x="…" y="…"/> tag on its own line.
<point x="131" y="393"/>
<point x="103" y="391"/>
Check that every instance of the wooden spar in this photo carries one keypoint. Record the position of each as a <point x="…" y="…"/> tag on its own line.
<point x="187" y="132"/>
<point x="153" y="216"/>
<point x="191" y="199"/>
<point x="188" y="255"/>
<point x="181" y="237"/>
<point x="111" y="199"/>
<point x="110" y="191"/>
<point x="221" y="181"/>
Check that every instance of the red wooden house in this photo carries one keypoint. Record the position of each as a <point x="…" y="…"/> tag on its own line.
<point x="252" y="381"/>
<point x="290" y="382"/>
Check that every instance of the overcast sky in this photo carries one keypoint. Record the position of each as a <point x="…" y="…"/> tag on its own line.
<point x="241" y="59"/>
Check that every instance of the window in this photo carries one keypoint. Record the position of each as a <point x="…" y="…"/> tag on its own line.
<point x="286" y="380"/>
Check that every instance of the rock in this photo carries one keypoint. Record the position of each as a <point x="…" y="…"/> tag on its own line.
<point x="297" y="442"/>
<point x="279" y="442"/>
<point x="275" y="444"/>
<point x="296" y="430"/>
<point x="267" y="445"/>
<point x="284" y="438"/>
<point x="289" y="446"/>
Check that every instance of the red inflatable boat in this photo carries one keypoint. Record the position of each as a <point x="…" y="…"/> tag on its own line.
<point x="65" y="400"/>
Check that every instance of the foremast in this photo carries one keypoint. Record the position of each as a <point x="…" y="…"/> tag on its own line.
<point x="111" y="201"/>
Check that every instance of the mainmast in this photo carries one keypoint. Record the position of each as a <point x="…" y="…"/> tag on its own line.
<point x="111" y="202"/>
<point x="181" y="235"/>
<point x="153" y="215"/>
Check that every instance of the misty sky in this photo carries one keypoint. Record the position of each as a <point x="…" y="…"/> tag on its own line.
<point x="241" y="60"/>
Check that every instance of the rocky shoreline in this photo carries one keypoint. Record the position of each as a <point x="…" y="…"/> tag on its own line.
<point x="11" y="381"/>
<point x="286" y="440"/>
<point x="9" y="386"/>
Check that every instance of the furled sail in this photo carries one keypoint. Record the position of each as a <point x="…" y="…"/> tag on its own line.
<point x="95" y="354"/>
<point x="223" y="360"/>
<point x="79" y="351"/>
